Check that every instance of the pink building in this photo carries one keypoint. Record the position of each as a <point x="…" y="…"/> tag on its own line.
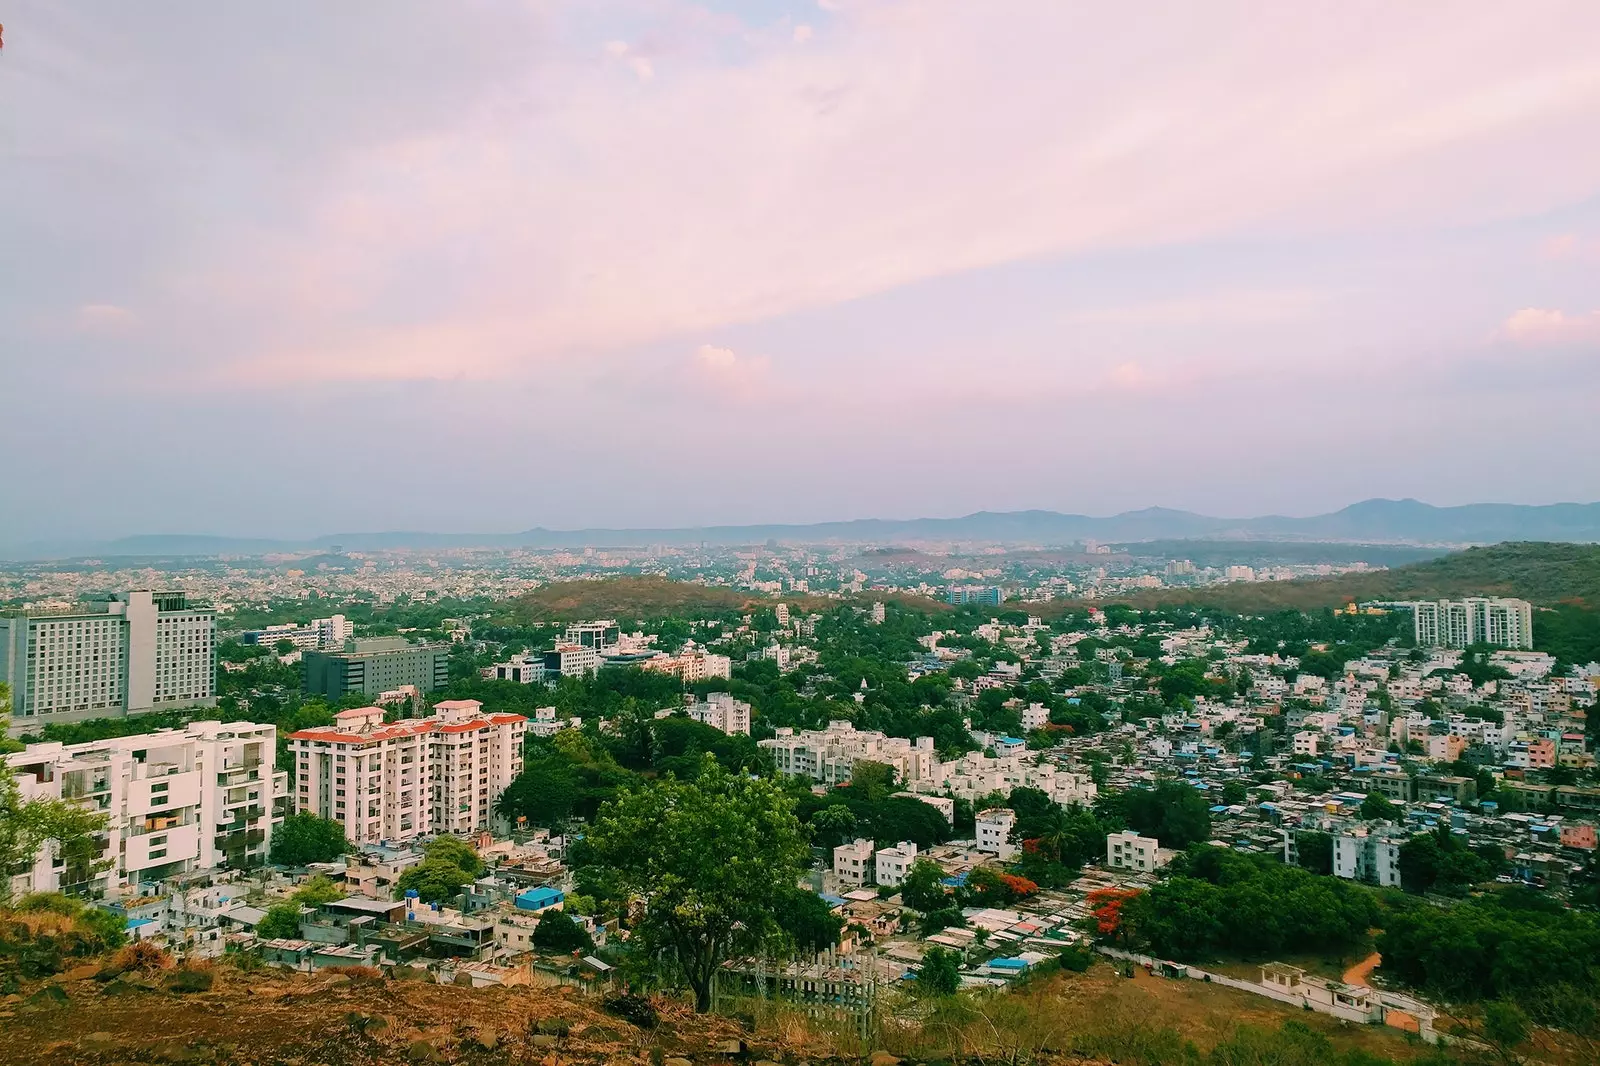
<point x="1580" y="835"/>
<point x="396" y="781"/>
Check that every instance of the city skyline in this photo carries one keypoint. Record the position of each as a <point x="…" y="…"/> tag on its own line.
<point x="684" y="264"/>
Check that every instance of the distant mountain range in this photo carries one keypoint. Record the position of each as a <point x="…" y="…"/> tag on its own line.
<point x="1371" y="522"/>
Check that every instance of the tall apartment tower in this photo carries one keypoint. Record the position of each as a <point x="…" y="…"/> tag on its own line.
<point x="1477" y="620"/>
<point x="396" y="781"/>
<point x="134" y="652"/>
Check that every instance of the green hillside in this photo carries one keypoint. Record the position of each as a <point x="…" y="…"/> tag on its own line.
<point x="624" y="597"/>
<point x="659" y="597"/>
<point x="1544" y="574"/>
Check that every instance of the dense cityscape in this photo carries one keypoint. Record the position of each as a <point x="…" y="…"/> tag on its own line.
<point x="967" y="773"/>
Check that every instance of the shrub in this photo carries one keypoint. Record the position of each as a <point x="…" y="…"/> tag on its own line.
<point x="356" y="973"/>
<point x="190" y="978"/>
<point x="1077" y="958"/>
<point x="632" y="1008"/>
<point x="141" y="956"/>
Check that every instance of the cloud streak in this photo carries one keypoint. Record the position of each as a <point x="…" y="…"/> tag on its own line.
<point x="560" y="210"/>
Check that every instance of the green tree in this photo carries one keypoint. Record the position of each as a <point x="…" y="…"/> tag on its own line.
<point x="1173" y="812"/>
<point x="316" y="891"/>
<point x="557" y="932"/>
<point x="456" y="852"/>
<point x="711" y="859"/>
<point x="305" y="838"/>
<point x="832" y="826"/>
<point x="1377" y="808"/>
<point x="1505" y="1027"/>
<point x="282" y="922"/>
<point x="1442" y="862"/>
<point x="874" y="779"/>
<point x="940" y="972"/>
<point x="923" y="887"/>
<point x="545" y="793"/>
<point x="1233" y="793"/>
<point x="435" y="881"/>
<point x="1315" y="850"/>
<point x="26" y="826"/>
<point x="809" y="924"/>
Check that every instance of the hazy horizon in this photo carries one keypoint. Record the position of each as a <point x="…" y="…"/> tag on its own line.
<point x="306" y="537"/>
<point x="656" y="263"/>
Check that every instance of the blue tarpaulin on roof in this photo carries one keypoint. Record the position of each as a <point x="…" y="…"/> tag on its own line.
<point x="537" y="899"/>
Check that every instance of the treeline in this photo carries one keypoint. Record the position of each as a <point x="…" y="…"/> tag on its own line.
<point x="1217" y="902"/>
<point x="1518" y="944"/>
<point x="572" y="774"/>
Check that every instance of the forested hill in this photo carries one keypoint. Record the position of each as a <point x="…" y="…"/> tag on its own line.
<point x="1542" y="573"/>
<point x="634" y="597"/>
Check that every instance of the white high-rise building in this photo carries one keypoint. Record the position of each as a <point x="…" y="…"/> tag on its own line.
<point x="134" y="652"/>
<point x="393" y="782"/>
<point x="177" y="801"/>
<point x="602" y="636"/>
<point x="320" y="634"/>
<point x="721" y="711"/>
<point x="1504" y="623"/>
<point x="827" y="755"/>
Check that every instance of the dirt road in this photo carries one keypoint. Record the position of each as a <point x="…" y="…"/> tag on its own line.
<point x="1357" y="974"/>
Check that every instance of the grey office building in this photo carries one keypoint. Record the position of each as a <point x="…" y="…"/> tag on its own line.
<point x="372" y="667"/>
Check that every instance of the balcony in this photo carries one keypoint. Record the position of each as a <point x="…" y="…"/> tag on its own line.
<point x="239" y="841"/>
<point x="140" y="827"/>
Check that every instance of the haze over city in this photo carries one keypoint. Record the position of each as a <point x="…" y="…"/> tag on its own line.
<point x="665" y="264"/>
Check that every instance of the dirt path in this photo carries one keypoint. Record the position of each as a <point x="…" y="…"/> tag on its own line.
<point x="1357" y="974"/>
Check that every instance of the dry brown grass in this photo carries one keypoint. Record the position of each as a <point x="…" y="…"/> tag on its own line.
<point x="141" y="956"/>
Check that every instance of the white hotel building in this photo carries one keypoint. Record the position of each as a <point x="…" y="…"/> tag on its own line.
<point x="393" y="782"/>
<point x="136" y="651"/>
<point x="177" y="801"/>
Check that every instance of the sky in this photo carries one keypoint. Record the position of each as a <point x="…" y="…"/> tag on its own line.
<point x="491" y="265"/>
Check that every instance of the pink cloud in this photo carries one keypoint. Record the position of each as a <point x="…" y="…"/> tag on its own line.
<point x="1569" y="247"/>
<point x="1537" y="326"/>
<point x="725" y="370"/>
<point x="564" y="213"/>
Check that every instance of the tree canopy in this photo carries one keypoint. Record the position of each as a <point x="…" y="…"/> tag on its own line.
<point x="557" y="932"/>
<point x="305" y="838"/>
<point x="1215" y="901"/>
<point x="1173" y="812"/>
<point x="712" y="860"/>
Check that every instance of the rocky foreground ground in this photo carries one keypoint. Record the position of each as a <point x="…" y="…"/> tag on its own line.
<point x="88" y="1017"/>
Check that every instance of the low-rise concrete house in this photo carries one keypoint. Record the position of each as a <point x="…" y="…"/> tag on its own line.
<point x="894" y="863"/>
<point x="993" y="828"/>
<point x="852" y="863"/>
<point x="1130" y="851"/>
